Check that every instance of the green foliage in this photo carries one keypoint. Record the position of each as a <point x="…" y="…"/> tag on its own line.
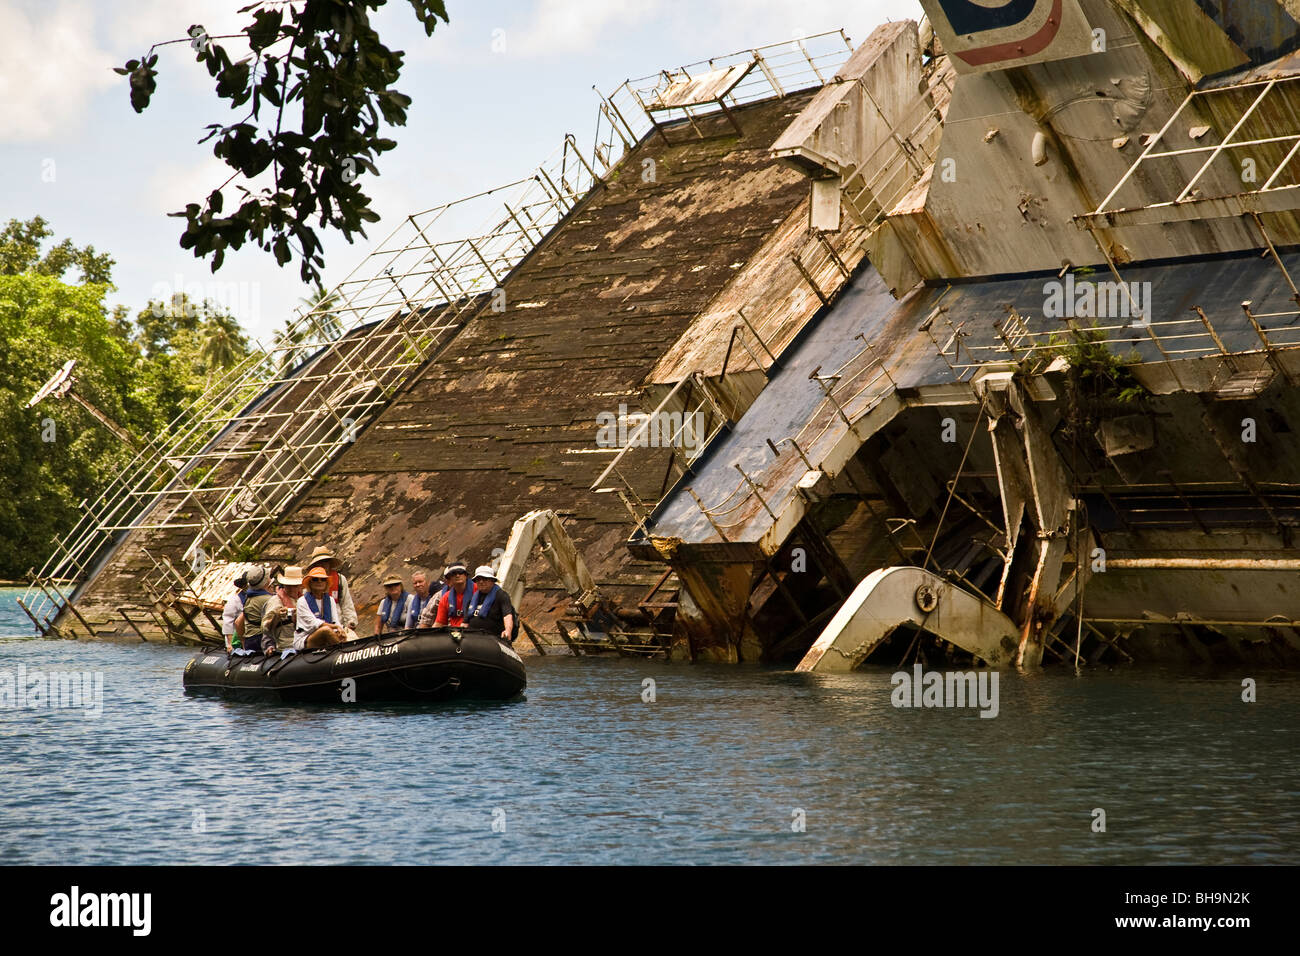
<point x="325" y="80"/>
<point x="186" y="344"/>
<point x="43" y="323"/>
<point x="20" y="251"/>
<point x="1100" y="372"/>
<point x="139" y="373"/>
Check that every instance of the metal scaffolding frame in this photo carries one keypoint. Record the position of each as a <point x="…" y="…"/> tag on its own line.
<point x="223" y="472"/>
<point x="636" y="107"/>
<point x="225" y="469"/>
<point x="1188" y="201"/>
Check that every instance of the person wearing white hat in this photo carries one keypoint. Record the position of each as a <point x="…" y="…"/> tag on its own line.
<point x="394" y="608"/>
<point x="490" y="608"/>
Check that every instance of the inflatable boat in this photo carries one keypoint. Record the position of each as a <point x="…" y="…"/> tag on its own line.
<point x="412" y="665"/>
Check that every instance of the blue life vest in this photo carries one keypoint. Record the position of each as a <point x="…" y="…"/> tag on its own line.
<point x="245" y="595"/>
<point x="328" y="616"/>
<point x="479" y="607"/>
<point x="392" y="611"/>
<point x="466" y="597"/>
<point x="417" y="605"/>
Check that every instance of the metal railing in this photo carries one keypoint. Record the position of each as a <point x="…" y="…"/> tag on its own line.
<point x="262" y="431"/>
<point x="779" y="69"/>
<point x="662" y="445"/>
<point x="225" y="468"/>
<point x="888" y="173"/>
<point x="858" y="386"/>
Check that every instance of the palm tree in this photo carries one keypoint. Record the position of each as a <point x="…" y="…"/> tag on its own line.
<point x="224" y="341"/>
<point x="325" y="325"/>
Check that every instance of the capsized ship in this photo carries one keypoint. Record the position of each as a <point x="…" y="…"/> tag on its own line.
<point x="977" y="339"/>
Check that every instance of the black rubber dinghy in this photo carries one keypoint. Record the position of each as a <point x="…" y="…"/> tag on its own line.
<point x="414" y="665"/>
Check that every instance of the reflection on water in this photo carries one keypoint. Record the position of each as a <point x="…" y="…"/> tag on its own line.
<point x="724" y="766"/>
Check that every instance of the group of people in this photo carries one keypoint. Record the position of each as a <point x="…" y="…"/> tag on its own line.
<point x="280" y="608"/>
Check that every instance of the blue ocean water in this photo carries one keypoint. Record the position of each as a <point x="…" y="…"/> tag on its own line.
<point x="726" y="765"/>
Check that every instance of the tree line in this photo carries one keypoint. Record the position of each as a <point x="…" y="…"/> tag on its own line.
<point x="140" y="370"/>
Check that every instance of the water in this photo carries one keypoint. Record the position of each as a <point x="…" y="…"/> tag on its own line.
<point x="713" y="771"/>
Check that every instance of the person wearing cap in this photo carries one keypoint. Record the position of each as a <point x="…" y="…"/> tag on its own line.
<point x="251" y="583"/>
<point x="318" y="613"/>
<point x="490" y="609"/>
<point x="449" y="610"/>
<point x="339" y="586"/>
<point x="269" y="619"/>
<point x="419" y="599"/>
<point x="395" y="606"/>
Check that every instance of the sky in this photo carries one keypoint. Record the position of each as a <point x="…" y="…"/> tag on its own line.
<point x="494" y="92"/>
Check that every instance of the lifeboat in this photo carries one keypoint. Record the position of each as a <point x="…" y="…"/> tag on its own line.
<point x="421" y="664"/>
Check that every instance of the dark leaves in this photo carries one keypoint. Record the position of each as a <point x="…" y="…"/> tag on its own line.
<point x="142" y="80"/>
<point x="323" y="63"/>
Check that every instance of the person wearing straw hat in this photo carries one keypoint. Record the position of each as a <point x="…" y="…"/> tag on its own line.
<point x="271" y="618"/>
<point x="489" y="607"/>
<point x="318" y="614"/>
<point x="394" y="608"/>
<point x="449" y="610"/>
<point x="339" y="586"/>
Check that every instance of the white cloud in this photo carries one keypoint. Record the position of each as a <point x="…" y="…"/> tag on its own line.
<point x="574" y="26"/>
<point x="50" y="67"/>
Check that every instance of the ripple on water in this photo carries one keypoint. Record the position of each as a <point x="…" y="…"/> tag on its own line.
<point x="727" y="765"/>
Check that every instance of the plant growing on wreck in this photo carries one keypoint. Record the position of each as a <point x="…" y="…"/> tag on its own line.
<point x="1094" y="368"/>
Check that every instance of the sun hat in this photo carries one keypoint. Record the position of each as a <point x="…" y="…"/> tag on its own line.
<point x="255" y="576"/>
<point x="290" y="576"/>
<point x="320" y="555"/>
<point x="455" y="568"/>
<point x="319" y="571"/>
<point x="485" y="571"/>
<point x="392" y="579"/>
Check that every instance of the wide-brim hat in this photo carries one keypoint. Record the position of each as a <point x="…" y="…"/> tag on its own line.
<point x="255" y="576"/>
<point x="485" y="571"/>
<point x="392" y="579"/>
<point x="321" y="554"/>
<point x="455" y="569"/>
<point x="290" y="576"/>
<point x="319" y="571"/>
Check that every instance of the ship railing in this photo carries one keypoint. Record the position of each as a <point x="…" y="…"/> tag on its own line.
<point x="662" y="445"/>
<point x="967" y="349"/>
<point x="858" y="386"/>
<point x="774" y="70"/>
<point x="850" y="393"/>
<point x="875" y="187"/>
<point x="227" y="466"/>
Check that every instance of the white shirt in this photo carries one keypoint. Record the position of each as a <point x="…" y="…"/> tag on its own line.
<point x="348" y="609"/>
<point x="308" y="621"/>
<point x="234" y="607"/>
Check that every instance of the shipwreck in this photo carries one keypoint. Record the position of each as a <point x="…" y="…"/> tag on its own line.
<point x="978" y="340"/>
